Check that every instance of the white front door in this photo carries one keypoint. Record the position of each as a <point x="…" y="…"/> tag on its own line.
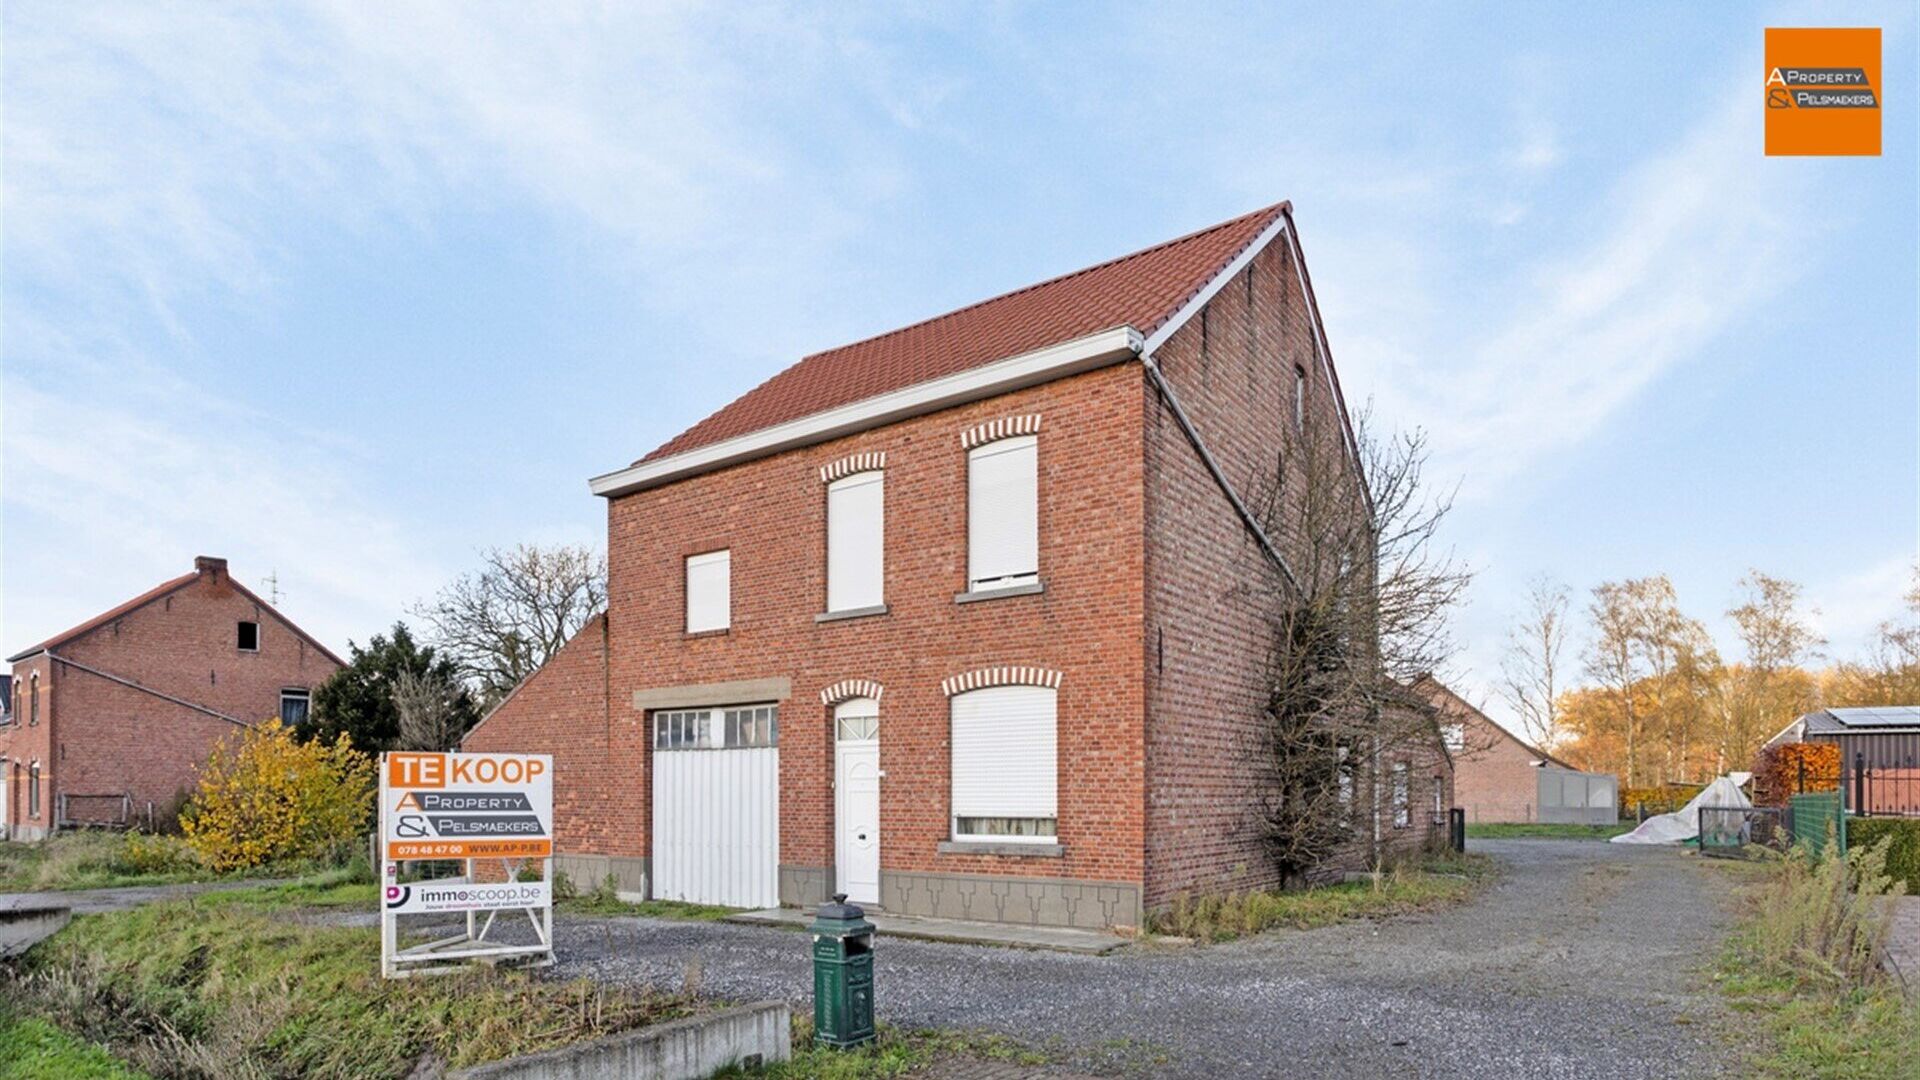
<point x="856" y="803"/>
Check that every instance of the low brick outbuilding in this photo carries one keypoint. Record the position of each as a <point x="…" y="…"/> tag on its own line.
<point x="960" y="619"/>
<point x="112" y="719"/>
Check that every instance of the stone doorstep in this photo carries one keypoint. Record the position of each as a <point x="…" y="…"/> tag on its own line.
<point x="958" y="931"/>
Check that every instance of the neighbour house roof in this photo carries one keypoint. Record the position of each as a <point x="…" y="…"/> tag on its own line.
<point x="1134" y="295"/>
<point x="1877" y="719"/>
<point x="1500" y="729"/>
<point x="164" y="589"/>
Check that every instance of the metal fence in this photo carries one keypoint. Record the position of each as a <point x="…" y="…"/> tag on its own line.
<point x="1881" y="790"/>
<point x="1743" y="831"/>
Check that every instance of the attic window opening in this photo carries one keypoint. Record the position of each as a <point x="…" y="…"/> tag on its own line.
<point x="1299" y="398"/>
<point x="248" y="636"/>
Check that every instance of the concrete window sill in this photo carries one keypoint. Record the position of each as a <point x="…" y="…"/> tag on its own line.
<point x="722" y="632"/>
<point x="1029" y="589"/>
<point x="850" y="613"/>
<point x="988" y="847"/>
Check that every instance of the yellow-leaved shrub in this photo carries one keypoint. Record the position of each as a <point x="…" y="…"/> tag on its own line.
<point x="265" y="797"/>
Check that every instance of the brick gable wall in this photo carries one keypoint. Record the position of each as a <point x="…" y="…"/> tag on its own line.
<point x="1497" y="779"/>
<point x="109" y="739"/>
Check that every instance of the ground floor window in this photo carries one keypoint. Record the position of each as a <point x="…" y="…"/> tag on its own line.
<point x="716" y="729"/>
<point x="33" y="790"/>
<point x="1402" y="809"/>
<point x="1005" y="766"/>
<point x="293" y="706"/>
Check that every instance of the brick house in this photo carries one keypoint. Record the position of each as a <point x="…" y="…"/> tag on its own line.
<point x="951" y="619"/>
<point x="1497" y="775"/>
<point x="112" y="719"/>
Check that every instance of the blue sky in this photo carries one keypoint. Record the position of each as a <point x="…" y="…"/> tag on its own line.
<point x="346" y="293"/>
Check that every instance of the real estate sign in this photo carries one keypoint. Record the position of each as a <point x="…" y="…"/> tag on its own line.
<point x="491" y="809"/>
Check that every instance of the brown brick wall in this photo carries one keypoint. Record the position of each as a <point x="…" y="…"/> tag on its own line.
<point x="1496" y="780"/>
<point x="111" y="739"/>
<point x="24" y="742"/>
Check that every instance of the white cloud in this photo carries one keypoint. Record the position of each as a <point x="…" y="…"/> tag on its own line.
<point x="1849" y="608"/>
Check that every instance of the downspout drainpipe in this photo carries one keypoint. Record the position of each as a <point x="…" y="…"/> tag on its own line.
<point x="1219" y="475"/>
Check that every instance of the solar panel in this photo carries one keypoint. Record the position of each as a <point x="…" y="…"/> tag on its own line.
<point x="1879" y="716"/>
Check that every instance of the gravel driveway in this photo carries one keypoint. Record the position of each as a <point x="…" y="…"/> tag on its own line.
<point x="1581" y="961"/>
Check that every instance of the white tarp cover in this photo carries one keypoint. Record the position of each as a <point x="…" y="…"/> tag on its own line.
<point x="1684" y="824"/>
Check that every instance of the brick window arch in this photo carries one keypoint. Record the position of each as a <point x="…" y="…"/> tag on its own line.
<point x="1000" y="676"/>
<point x="847" y="689"/>
<point x="1004" y="428"/>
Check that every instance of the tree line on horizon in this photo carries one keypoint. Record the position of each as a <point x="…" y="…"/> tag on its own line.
<point x="1651" y="698"/>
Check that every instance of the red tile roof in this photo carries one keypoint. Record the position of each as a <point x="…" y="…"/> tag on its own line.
<point x="1142" y="290"/>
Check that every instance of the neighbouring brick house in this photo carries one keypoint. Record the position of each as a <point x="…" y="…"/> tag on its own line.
<point x="112" y="719"/>
<point x="1499" y="777"/>
<point x="952" y="619"/>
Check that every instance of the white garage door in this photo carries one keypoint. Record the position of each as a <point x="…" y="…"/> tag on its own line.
<point x="716" y="806"/>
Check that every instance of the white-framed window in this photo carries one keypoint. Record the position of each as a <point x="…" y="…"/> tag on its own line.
<point x="1299" y="398"/>
<point x="246" y="636"/>
<point x="1439" y="796"/>
<point x="33" y="790"/>
<point x="733" y="728"/>
<point x="1005" y="767"/>
<point x="856" y="720"/>
<point x="294" y="703"/>
<point x="710" y="591"/>
<point x="856" y="548"/>
<point x="1003" y="513"/>
<point x="1402" y="808"/>
<point x="1455" y="736"/>
<point x="33" y="699"/>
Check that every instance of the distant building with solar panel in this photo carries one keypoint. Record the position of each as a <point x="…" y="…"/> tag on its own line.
<point x="1879" y="753"/>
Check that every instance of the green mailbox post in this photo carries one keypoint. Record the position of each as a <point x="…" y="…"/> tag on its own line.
<point x="842" y="974"/>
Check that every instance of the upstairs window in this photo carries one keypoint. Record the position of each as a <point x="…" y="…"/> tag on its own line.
<point x="856" y="527"/>
<point x="33" y="700"/>
<point x="1455" y="736"/>
<point x="248" y="637"/>
<point x="1299" y="398"/>
<point x="1003" y="517"/>
<point x="709" y="591"/>
<point x="294" y="703"/>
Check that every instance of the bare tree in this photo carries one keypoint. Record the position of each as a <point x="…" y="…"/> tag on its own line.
<point x="429" y="711"/>
<point x="1614" y="661"/>
<point x="501" y="622"/>
<point x="1532" y="674"/>
<point x="1357" y="609"/>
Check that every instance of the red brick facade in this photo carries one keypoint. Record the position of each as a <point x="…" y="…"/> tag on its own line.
<point x="132" y="703"/>
<point x="1143" y="614"/>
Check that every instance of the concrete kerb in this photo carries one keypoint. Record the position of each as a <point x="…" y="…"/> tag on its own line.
<point x="955" y="931"/>
<point x="21" y="928"/>
<point x="688" y="1049"/>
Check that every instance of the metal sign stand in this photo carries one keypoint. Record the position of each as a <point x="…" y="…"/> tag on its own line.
<point x="453" y="953"/>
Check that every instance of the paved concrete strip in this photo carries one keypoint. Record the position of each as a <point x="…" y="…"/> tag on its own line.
<point x="959" y="931"/>
<point x="89" y="901"/>
<point x="1903" y="944"/>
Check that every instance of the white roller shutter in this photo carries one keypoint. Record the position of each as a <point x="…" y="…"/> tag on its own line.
<point x="1003" y="520"/>
<point x="1004" y="759"/>
<point x="856" y="517"/>
<point x="709" y="591"/>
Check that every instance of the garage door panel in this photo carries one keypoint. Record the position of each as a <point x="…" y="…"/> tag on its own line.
<point x="716" y="826"/>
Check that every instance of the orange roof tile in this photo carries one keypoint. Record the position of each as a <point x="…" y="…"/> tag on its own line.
<point x="1142" y="290"/>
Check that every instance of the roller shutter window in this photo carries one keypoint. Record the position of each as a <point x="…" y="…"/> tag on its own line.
<point x="1005" y="766"/>
<point x="709" y="591"/>
<point x="856" y="527"/>
<point x="1003" y="520"/>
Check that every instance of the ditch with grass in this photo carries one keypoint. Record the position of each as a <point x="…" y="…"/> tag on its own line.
<point x="229" y="986"/>
<point x="1803" y="971"/>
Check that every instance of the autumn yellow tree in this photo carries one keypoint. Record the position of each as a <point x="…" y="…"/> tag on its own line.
<point x="265" y="797"/>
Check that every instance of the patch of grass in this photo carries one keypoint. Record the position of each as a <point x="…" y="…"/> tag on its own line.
<point x="33" y="1049"/>
<point x="98" y="860"/>
<point x="894" y="1052"/>
<point x="1803" y="964"/>
<point x="230" y="988"/>
<point x="605" y="900"/>
<point x="1543" y="831"/>
<point x="1410" y="887"/>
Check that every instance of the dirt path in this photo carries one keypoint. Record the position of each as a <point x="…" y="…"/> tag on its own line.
<point x="1582" y="961"/>
<point x="88" y="901"/>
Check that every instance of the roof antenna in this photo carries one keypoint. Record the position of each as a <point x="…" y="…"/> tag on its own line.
<point x="272" y="583"/>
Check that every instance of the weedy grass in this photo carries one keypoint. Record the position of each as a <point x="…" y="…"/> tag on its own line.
<point x="221" y="987"/>
<point x="1419" y="885"/>
<point x="99" y="860"/>
<point x="894" y="1052"/>
<point x="604" y="899"/>
<point x="1804" y="964"/>
<point x="33" y="1049"/>
<point x="1525" y="830"/>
